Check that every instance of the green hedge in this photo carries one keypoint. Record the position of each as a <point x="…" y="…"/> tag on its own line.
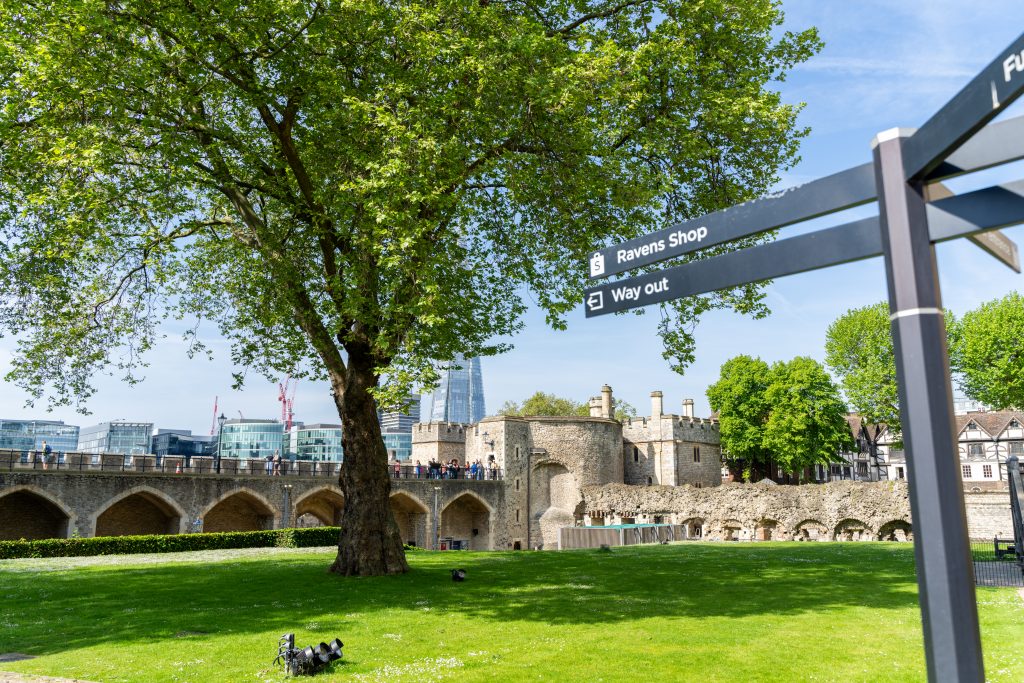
<point x="131" y="545"/>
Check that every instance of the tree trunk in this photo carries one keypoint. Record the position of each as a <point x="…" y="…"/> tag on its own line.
<point x="370" y="543"/>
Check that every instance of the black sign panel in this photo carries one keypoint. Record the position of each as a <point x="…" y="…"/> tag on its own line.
<point x="981" y="100"/>
<point x="847" y="188"/>
<point x="949" y="218"/>
<point x="996" y="144"/>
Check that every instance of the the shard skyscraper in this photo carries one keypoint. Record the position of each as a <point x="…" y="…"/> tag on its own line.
<point x="460" y="395"/>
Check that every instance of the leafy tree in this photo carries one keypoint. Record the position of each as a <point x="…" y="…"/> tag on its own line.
<point x="987" y="352"/>
<point x="739" y="399"/>
<point x="788" y="414"/>
<point x="357" y="191"/>
<point x="807" y="419"/>
<point x="542" y="403"/>
<point x="859" y="350"/>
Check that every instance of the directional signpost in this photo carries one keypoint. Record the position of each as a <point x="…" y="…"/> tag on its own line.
<point x="915" y="212"/>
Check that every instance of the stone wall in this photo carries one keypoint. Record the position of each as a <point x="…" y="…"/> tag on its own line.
<point x="56" y="504"/>
<point x="988" y="515"/>
<point x="852" y="510"/>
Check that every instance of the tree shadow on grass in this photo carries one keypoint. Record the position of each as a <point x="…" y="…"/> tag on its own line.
<point x="96" y="606"/>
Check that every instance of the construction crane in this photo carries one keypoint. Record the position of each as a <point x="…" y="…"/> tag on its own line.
<point x="213" y="424"/>
<point x="287" y="403"/>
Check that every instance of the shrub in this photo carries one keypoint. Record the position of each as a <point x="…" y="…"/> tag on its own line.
<point x="131" y="545"/>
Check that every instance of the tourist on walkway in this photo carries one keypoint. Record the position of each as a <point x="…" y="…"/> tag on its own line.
<point x="418" y="469"/>
<point x="270" y="464"/>
<point x="277" y="463"/>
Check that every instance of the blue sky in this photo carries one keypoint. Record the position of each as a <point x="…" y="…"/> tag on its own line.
<point x="884" y="64"/>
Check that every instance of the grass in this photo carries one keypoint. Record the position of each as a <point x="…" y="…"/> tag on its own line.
<point x="688" y="612"/>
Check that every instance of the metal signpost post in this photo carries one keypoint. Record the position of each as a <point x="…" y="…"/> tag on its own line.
<point x="915" y="213"/>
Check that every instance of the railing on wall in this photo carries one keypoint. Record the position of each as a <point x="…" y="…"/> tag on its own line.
<point x="12" y="460"/>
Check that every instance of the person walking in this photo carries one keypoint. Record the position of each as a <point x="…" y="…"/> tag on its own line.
<point x="418" y="469"/>
<point x="277" y="463"/>
<point x="270" y="465"/>
<point x="46" y="454"/>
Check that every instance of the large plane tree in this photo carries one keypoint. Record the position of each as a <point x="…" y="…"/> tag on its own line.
<point x="358" y="190"/>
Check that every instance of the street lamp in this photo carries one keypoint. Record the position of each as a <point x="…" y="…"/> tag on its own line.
<point x="286" y="517"/>
<point x="437" y="527"/>
<point x="220" y="439"/>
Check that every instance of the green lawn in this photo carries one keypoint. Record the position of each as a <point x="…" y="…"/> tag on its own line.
<point x="688" y="612"/>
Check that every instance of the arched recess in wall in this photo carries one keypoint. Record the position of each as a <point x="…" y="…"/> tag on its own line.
<point x="896" y="530"/>
<point x="852" y="530"/>
<point x="411" y="516"/>
<point x="31" y="513"/>
<point x="768" y="530"/>
<point x="693" y="527"/>
<point x="810" y="530"/>
<point x="239" y="510"/>
<point x="556" y="496"/>
<point x="732" y="530"/>
<point x="139" y="511"/>
<point x="468" y="518"/>
<point x="320" y="507"/>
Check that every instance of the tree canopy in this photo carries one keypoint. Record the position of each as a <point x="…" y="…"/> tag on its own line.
<point x="356" y="191"/>
<point x="788" y="414"/>
<point x="987" y="352"/>
<point x="858" y="349"/>
<point x="542" y="403"/>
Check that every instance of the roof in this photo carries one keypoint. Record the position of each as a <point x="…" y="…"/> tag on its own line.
<point x="992" y="422"/>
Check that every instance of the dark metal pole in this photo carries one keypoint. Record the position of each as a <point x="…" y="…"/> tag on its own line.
<point x="945" y="572"/>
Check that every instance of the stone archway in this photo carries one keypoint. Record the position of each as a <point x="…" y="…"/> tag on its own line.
<point x="239" y="510"/>
<point x="411" y="516"/>
<point x="767" y="530"/>
<point x="693" y="527"/>
<point x="896" y="530"/>
<point x="810" y="530"/>
<point x="141" y="511"/>
<point x="852" y="530"/>
<point x="732" y="530"/>
<point x="468" y="519"/>
<point x="556" y="499"/>
<point x="32" y="514"/>
<point x="320" y="507"/>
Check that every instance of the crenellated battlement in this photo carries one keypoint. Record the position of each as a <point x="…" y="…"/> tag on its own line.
<point x="448" y="432"/>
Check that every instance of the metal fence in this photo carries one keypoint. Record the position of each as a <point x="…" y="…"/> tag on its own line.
<point x="1000" y="562"/>
<point x="619" y="534"/>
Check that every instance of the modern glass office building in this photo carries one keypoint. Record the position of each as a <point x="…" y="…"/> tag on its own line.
<point x="248" y="439"/>
<point x="129" y="438"/>
<point x="460" y="395"/>
<point x="29" y="435"/>
<point x="399" y="445"/>
<point x="321" y="442"/>
<point x="403" y="420"/>
<point x="182" y="442"/>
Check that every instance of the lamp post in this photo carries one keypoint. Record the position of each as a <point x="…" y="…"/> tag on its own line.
<point x="220" y="440"/>
<point x="286" y="515"/>
<point x="437" y="526"/>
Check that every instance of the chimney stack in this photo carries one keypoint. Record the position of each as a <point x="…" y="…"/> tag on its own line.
<point x="688" y="408"/>
<point x="606" y="402"/>
<point x="595" y="406"/>
<point x="657" y="407"/>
